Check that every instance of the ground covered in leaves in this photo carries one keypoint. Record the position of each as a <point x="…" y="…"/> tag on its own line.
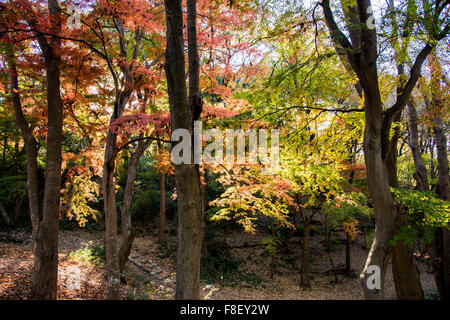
<point x="150" y="273"/>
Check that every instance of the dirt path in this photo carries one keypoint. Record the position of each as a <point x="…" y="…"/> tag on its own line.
<point x="151" y="274"/>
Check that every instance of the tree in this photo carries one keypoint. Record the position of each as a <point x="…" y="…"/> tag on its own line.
<point x="361" y="51"/>
<point x="190" y="218"/>
<point x="435" y="105"/>
<point x="45" y="221"/>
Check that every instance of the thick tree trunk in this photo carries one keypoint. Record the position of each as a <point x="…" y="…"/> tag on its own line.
<point x="190" y="219"/>
<point x="190" y="232"/>
<point x="46" y="240"/>
<point x="377" y="180"/>
<point x="404" y="268"/>
<point x="109" y="202"/>
<point x="45" y="246"/>
<point x="305" y="276"/>
<point x="420" y="172"/>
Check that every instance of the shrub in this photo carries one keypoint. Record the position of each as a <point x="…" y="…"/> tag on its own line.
<point x="94" y="254"/>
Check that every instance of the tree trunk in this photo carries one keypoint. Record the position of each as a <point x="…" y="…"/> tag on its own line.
<point x="46" y="238"/>
<point x="45" y="247"/>
<point x="127" y="232"/>
<point x="363" y="60"/>
<point x="404" y="268"/>
<point x="162" y="208"/>
<point x="377" y="180"/>
<point x="109" y="202"/>
<point x="190" y="219"/>
<point x="391" y="157"/>
<point x="420" y="172"/>
<point x="442" y="160"/>
<point x="30" y="145"/>
<point x="125" y="248"/>
<point x="442" y="261"/>
<point x="305" y="275"/>
<point x="348" y="247"/>
<point x="5" y="214"/>
<point x="445" y="291"/>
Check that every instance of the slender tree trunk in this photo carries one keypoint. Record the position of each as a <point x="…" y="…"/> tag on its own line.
<point x="5" y="143"/>
<point x="442" y="261"/>
<point x="421" y="176"/>
<point x="30" y="146"/>
<point x="305" y="280"/>
<point x="348" y="247"/>
<point x="162" y="208"/>
<point x="442" y="159"/>
<point x="127" y="231"/>
<point x="305" y="272"/>
<point x="190" y="219"/>
<point x="109" y="201"/>
<point x="420" y="172"/>
<point x="391" y="157"/>
<point x="5" y="214"/>
<point x="404" y="268"/>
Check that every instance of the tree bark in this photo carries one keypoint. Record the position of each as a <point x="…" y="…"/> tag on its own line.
<point x="348" y="247"/>
<point x="305" y="280"/>
<point x="30" y="145"/>
<point x="406" y="275"/>
<point x="123" y="93"/>
<point x="391" y="157"/>
<point x="5" y="214"/>
<point x="382" y="199"/>
<point x="109" y="203"/>
<point x="162" y="208"/>
<point x="420" y="172"/>
<point x="127" y="232"/>
<point x="442" y="159"/>
<point x="442" y="261"/>
<point x="190" y="219"/>
<point x="305" y="277"/>
<point x="46" y="222"/>
<point x="109" y="200"/>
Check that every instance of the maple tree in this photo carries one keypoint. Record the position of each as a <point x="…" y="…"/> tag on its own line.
<point x="92" y="90"/>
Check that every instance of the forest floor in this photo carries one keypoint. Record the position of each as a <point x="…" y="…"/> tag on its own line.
<point x="150" y="273"/>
